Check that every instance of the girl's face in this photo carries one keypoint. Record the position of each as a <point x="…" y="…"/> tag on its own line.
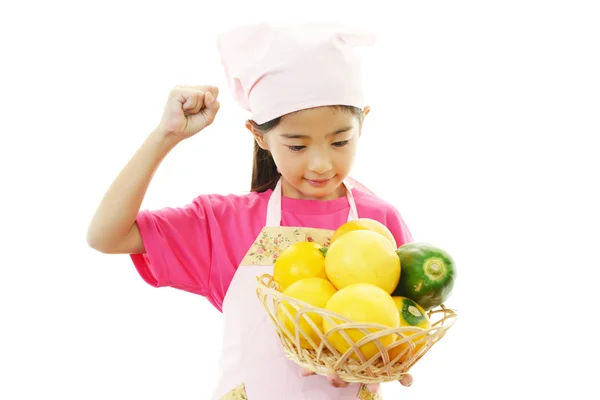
<point x="314" y="150"/>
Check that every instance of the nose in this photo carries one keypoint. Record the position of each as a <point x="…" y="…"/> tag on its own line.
<point x="319" y="162"/>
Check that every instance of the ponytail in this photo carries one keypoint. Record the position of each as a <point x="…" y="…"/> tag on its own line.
<point x="264" y="170"/>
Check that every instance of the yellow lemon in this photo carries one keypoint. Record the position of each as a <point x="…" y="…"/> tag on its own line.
<point x="363" y="256"/>
<point x="364" y="224"/>
<point x="412" y="315"/>
<point x="314" y="291"/>
<point x="298" y="261"/>
<point x="361" y="302"/>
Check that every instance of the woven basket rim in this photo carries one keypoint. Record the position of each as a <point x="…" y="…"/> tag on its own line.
<point x="325" y="358"/>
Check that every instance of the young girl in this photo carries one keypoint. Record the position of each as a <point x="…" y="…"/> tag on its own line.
<point x="302" y="87"/>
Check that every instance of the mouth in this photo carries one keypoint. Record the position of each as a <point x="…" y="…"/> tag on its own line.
<point x="318" y="182"/>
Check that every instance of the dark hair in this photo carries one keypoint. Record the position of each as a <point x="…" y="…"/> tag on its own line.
<point x="264" y="170"/>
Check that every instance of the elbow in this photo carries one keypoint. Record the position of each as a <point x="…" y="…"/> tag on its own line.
<point x="96" y="242"/>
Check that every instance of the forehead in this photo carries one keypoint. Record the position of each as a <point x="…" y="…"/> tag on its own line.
<point x="317" y="120"/>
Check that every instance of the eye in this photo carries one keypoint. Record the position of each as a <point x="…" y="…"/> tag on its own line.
<point x="296" y="148"/>
<point x="341" y="144"/>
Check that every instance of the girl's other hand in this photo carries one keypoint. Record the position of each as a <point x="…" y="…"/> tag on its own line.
<point x="335" y="381"/>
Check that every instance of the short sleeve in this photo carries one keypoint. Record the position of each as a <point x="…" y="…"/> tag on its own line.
<point x="177" y="243"/>
<point x="390" y="216"/>
<point x="398" y="227"/>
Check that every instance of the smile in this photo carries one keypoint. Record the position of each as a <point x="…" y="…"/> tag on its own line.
<point x="318" y="182"/>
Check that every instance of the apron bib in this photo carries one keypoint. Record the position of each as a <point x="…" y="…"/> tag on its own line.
<point x="252" y="363"/>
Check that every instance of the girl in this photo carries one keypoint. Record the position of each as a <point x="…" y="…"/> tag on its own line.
<point x="302" y="86"/>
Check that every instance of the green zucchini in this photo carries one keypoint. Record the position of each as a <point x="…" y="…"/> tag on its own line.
<point x="427" y="274"/>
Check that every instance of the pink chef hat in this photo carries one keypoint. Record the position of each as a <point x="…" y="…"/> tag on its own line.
<point x="272" y="71"/>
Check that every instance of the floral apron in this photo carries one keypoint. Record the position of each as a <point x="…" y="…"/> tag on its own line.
<point x="252" y="363"/>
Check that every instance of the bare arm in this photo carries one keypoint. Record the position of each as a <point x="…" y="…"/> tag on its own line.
<point x="113" y="229"/>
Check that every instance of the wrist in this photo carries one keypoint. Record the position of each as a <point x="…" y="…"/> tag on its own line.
<point x="163" y="139"/>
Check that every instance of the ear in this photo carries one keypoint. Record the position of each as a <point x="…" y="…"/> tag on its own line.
<point x="258" y="136"/>
<point x="366" y="110"/>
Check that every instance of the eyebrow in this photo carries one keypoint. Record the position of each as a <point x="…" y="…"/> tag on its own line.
<point x="299" y="136"/>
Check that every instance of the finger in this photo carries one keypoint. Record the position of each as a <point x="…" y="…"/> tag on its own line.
<point x="210" y="111"/>
<point x="305" y="372"/>
<point x="192" y="100"/>
<point x="373" y="387"/>
<point x="213" y="90"/>
<point x="202" y="88"/>
<point x="406" y="380"/>
<point x="210" y="101"/>
<point x="335" y="381"/>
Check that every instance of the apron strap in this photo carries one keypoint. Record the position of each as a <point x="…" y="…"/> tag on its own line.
<point x="274" y="205"/>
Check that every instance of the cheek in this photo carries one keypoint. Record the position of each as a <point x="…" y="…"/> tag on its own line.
<point x="345" y="158"/>
<point x="286" y="161"/>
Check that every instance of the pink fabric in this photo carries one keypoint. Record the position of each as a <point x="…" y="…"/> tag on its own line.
<point x="271" y="70"/>
<point x="198" y="247"/>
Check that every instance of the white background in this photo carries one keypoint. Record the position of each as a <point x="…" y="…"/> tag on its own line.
<point x="485" y="116"/>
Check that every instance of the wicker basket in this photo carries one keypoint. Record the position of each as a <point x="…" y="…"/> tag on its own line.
<point x="351" y="366"/>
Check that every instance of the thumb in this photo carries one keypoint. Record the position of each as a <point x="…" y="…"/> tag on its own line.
<point x="406" y="380"/>
<point x="373" y="387"/>
<point x="305" y="372"/>
<point x="212" y="106"/>
<point x="211" y="102"/>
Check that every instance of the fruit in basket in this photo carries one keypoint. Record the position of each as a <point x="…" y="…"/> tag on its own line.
<point x="314" y="291"/>
<point x="364" y="224"/>
<point x="361" y="303"/>
<point x="363" y="256"/>
<point x="427" y="274"/>
<point x="411" y="315"/>
<point x="298" y="261"/>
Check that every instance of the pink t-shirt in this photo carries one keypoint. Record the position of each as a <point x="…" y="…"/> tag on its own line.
<point x="198" y="247"/>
